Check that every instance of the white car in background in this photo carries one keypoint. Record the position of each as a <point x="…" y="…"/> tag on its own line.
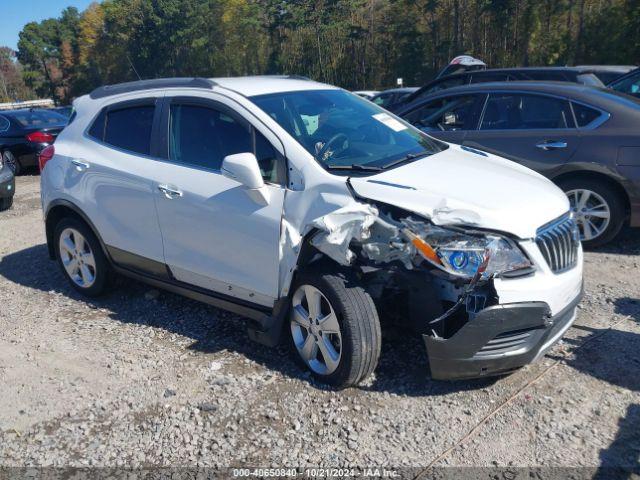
<point x="310" y="211"/>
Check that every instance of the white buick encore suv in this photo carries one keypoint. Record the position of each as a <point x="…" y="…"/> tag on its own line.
<point x="310" y="210"/>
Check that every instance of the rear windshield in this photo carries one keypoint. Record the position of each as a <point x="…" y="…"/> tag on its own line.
<point x="39" y="118"/>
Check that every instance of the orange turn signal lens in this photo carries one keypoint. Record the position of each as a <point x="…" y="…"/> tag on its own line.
<point x="424" y="248"/>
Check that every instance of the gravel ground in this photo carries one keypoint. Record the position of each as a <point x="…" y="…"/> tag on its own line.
<point x="147" y="378"/>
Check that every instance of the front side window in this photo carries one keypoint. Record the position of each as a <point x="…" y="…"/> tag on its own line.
<point x="126" y="128"/>
<point x="383" y="100"/>
<point x="629" y="85"/>
<point x="202" y="136"/>
<point x="444" y="114"/>
<point x="343" y="131"/>
<point x="525" y="112"/>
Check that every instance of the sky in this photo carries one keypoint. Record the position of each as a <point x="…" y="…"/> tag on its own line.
<point x="14" y="14"/>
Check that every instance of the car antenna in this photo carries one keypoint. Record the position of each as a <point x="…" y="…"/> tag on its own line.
<point x="133" y="68"/>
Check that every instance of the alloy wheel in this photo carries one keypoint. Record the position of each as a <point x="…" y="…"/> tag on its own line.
<point x="315" y="330"/>
<point x="77" y="258"/>
<point x="10" y="161"/>
<point x="591" y="212"/>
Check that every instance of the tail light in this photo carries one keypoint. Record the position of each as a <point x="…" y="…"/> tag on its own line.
<point x="45" y="156"/>
<point x="40" y="137"/>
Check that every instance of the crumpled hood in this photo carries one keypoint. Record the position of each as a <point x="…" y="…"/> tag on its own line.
<point x="460" y="187"/>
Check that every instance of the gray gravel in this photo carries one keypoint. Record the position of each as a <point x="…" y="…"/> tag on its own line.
<point x="144" y="378"/>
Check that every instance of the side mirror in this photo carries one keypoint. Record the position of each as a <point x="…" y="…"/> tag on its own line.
<point x="244" y="169"/>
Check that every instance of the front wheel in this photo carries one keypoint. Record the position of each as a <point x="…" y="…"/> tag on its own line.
<point x="598" y="209"/>
<point x="335" y="329"/>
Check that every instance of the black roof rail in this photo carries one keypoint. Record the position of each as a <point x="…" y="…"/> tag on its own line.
<point x="119" y="88"/>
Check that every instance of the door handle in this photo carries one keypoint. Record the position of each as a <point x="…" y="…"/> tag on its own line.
<point x="170" y="192"/>
<point x="80" y="165"/>
<point x="552" y="145"/>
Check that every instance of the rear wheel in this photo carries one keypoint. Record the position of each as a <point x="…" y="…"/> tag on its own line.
<point x="81" y="258"/>
<point x="335" y="330"/>
<point x="597" y="208"/>
<point x="10" y="161"/>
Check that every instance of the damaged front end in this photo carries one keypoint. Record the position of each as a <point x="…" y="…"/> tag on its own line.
<point x="440" y="279"/>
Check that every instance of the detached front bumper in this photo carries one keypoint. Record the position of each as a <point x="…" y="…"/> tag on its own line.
<point x="499" y="340"/>
<point x="7" y="183"/>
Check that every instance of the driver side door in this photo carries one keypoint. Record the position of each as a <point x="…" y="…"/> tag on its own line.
<point x="449" y="117"/>
<point x="215" y="235"/>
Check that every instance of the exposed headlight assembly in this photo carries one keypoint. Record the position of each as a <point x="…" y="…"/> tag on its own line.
<point x="466" y="254"/>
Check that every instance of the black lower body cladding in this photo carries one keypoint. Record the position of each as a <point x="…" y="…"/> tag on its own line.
<point x="7" y="183"/>
<point x="498" y="340"/>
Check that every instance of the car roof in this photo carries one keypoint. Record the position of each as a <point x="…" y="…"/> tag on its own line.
<point x="247" y="85"/>
<point x="265" y="84"/>
<point x="575" y="91"/>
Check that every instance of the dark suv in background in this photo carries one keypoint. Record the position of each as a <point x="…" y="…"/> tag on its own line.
<point x="585" y="139"/>
<point x="583" y="75"/>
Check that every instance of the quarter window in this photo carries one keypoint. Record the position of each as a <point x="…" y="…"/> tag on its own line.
<point x="444" y="114"/>
<point x="126" y="128"/>
<point x="525" y="112"/>
<point x="584" y="115"/>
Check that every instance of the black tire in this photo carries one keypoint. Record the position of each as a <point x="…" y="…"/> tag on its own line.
<point x="102" y="271"/>
<point x="358" y="319"/>
<point x="12" y="162"/>
<point x="6" y="203"/>
<point x="614" y="201"/>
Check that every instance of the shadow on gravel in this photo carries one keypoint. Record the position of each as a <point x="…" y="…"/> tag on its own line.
<point x="403" y="367"/>
<point x="613" y="358"/>
<point x="621" y="460"/>
<point x="627" y="242"/>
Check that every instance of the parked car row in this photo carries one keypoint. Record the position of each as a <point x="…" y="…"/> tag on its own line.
<point x="559" y="121"/>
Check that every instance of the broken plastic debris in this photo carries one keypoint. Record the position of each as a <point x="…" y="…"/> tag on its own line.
<point x="338" y="229"/>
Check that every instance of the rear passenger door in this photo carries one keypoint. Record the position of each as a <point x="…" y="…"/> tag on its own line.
<point x="537" y="131"/>
<point x="447" y="118"/>
<point x="110" y="179"/>
<point x="215" y="235"/>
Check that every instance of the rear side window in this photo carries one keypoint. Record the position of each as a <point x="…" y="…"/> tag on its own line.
<point x="126" y="128"/>
<point x="584" y="114"/>
<point x="525" y="112"/>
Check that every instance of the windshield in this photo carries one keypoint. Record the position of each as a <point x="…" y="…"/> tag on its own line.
<point x="343" y="131"/>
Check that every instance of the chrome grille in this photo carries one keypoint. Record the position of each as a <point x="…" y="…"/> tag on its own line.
<point x="559" y="241"/>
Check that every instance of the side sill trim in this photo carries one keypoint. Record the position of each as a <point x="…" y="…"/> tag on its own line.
<point x="254" y="312"/>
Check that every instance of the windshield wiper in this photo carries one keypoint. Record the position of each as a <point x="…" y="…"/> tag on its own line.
<point x="355" y="166"/>
<point x="407" y="158"/>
